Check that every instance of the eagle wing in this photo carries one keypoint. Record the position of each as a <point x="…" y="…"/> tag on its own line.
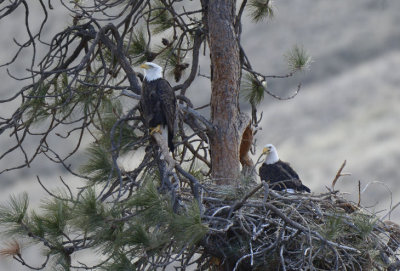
<point x="295" y="182"/>
<point x="168" y="103"/>
<point x="273" y="174"/>
<point x="148" y="103"/>
<point x="281" y="176"/>
<point x="270" y="173"/>
<point x="288" y="170"/>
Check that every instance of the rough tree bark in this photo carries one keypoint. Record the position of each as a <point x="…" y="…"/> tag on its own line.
<point x="225" y="63"/>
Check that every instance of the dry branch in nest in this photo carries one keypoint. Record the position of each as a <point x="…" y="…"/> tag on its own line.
<point x="339" y="174"/>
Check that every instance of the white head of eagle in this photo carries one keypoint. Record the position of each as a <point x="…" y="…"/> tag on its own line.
<point x="158" y="103"/>
<point x="272" y="154"/>
<point x="279" y="174"/>
<point x="151" y="71"/>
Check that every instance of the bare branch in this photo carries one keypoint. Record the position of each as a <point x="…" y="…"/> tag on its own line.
<point x="339" y="174"/>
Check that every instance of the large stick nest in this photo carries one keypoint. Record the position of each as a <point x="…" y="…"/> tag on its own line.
<point x="261" y="229"/>
<point x="251" y="227"/>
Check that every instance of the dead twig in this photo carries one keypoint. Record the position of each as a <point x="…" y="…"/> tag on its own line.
<point x="339" y="174"/>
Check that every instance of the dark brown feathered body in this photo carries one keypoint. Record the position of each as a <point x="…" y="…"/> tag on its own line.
<point x="281" y="176"/>
<point x="158" y="104"/>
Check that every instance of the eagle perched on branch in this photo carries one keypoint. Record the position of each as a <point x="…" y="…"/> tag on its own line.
<point x="279" y="174"/>
<point x="158" y="103"/>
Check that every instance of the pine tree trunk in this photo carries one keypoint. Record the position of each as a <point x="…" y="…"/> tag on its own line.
<point x="225" y="63"/>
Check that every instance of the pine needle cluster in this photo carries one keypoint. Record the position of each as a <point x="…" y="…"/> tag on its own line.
<point x="128" y="234"/>
<point x="100" y="165"/>
<point x="161" y="19"/>
<point x="298" y="59"/>
<point x="252" y="89"/>
<point x="260" y="10"/>
<point x="138" y="47"/>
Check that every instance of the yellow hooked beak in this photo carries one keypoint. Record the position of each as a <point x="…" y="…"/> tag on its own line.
<point x="266" y="150"/>
<point x="144" y="66"/>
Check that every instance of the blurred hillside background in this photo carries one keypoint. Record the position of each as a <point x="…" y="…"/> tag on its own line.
<point x="348" y="107"/>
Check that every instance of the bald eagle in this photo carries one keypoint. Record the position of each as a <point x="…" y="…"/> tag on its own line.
<point x="279" y="174"/>
<point x="158" y="102"/>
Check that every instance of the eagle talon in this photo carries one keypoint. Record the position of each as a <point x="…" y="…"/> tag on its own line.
<point x="156" y="129"/>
